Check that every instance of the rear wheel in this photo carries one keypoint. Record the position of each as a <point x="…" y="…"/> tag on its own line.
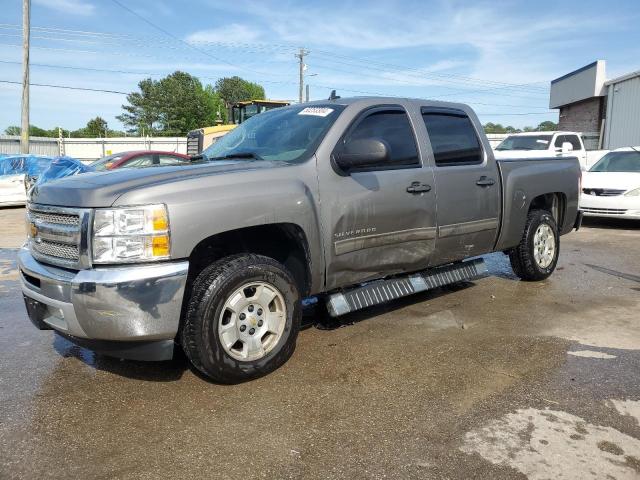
<point x="536" y="257"/>
<point x="243" y="318"/>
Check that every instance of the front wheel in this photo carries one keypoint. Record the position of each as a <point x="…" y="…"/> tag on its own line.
<point x="243" y="318"/>
<point x="536" y="257"/>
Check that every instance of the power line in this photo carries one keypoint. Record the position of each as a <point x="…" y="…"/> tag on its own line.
<point x="451" y="77"/>
<point x="130" y="72"/>
<point x="67" y="87"/>
<point x="178" y="39"/>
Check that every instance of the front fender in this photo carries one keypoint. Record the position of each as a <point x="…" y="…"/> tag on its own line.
<point x="205" y="206"/>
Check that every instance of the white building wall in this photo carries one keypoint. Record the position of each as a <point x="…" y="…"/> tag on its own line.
<point x="622" y="127"/>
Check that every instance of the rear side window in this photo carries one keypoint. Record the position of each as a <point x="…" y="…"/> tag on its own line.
<point x="453" y="139"/>
<point x="393" y="127"/>
<point x="572" y="139"/>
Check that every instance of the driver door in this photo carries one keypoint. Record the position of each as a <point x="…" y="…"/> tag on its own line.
<point x="380" y="220"/>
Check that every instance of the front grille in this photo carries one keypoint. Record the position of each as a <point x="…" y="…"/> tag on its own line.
<point x="603" y="192"/>
<point x="57" y="235"/>
<point x="59" y="250"/>
<point x="606" y="211"/>
<point x="55" y="218"/>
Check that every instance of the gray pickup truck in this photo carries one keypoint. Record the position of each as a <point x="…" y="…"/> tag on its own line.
<point x="357" y="201"/>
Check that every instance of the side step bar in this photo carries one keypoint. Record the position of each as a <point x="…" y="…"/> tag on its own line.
<point x="381" y="291"/>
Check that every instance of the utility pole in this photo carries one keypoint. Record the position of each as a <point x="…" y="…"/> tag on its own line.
<point x="300" y="56"/>
<point x="307" y="92"/>
<point x="26" y="28"/>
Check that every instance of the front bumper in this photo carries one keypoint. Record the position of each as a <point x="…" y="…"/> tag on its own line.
<point x="106" y="306"/>
<point x="611" y="207"/>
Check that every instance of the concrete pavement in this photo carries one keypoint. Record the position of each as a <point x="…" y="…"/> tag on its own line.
<point x="492" y="379"/>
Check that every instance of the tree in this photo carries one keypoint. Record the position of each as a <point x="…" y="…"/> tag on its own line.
<point x="547" y="126"/>
<point x="12" y="130"/>
<point x="96" y="127"/>
<point x="235" y="89"/>
<point x="171" y="106"/>
<point x="498" y="128"/>
<point x="34" y="131"/>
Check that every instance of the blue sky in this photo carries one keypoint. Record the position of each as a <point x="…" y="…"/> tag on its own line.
<point x="499" y="56"/>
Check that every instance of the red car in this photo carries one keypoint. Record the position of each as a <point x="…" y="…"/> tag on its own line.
<point x="139" y="159"/>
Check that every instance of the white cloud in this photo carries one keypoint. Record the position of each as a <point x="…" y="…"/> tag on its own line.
<point x="70" y="7"/>
<point x="229" y="33"/>
<point x="495" y="38"/>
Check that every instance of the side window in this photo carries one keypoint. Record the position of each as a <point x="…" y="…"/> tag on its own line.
<point x="172" y="160"/>
<point x="453" y="139"/>
<point x="139" y="162"/>
<point x="393" y="127"/>
<point x="575" y="141"/>
<point x="559" y="140"/>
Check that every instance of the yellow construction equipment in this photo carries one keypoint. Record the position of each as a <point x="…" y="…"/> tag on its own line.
<point x="201" y="138"/>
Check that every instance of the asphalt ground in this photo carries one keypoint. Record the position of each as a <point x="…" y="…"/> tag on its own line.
<point x="496" y="378"/>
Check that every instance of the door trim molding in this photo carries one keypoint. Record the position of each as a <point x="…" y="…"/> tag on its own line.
<point x="465" y="228"/>
<point x="380" y="239"/>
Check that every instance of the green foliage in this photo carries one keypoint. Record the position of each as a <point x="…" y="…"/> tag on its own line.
<point x="546" y="126"/>
<point x="96" y="127"/>
<point x="34" y="131"/>
<point x="12" y="130"/>
<point x="498" y="128"/>
<point x="236" y="89"/>
<point x="171" y="106"/>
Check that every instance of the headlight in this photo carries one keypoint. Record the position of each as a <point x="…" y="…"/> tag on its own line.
<point x="131" y="234"/>
<point x="633" y="193"/>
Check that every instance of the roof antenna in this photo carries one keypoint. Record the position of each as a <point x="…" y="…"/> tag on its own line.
<point x="333" y="95"/>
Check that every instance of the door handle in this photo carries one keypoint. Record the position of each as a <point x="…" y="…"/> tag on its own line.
<point x="417" y="187"/>
<point x="484" y="181"/>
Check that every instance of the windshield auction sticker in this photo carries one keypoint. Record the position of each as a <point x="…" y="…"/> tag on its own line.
<point x="316" y="111"/>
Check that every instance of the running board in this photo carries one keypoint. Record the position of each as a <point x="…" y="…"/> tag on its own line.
<point x="382" y="291"/>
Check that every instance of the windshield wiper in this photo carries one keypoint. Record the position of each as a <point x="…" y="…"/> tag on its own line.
<point x="249" y="155"/>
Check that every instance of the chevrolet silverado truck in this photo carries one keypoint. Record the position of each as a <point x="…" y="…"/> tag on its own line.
<point x="355" y="201"/>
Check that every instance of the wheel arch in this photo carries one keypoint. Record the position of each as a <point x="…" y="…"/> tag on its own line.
<point x="555" y="203"/>
<point x="285" y="242"/>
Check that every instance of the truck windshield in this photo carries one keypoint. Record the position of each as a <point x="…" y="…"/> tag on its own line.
<point x="525" y="142"/>
<point x="287" y="134"/>
<point x="618" y="162"/>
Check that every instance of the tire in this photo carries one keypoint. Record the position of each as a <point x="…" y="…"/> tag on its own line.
<point x="533" y="262"/>
<point x="220" y="294"/>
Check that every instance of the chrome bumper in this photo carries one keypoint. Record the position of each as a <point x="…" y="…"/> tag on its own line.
<point x="130" y="303"/>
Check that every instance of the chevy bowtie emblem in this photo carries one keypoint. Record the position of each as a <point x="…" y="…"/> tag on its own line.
<point x="33" y="230"/>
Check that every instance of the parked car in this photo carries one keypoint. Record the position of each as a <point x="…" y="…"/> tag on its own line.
<point x="59" y="168"/>
<point x="139" y="159"/>
<point x="611" y="188"/>
<point x="542" y="144"/>
<point x="358" y="201"/>
<point x="13" y="171"/>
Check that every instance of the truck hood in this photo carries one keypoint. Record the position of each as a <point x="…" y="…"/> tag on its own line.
<point x="102" y="189"/>
<point x="612" y="180"/>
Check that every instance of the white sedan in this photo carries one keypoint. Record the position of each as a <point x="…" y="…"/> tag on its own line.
<point x="13" y="169"/>
<point x="611" y="188"/>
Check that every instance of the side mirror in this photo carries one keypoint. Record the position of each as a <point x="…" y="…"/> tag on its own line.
<point x="567" y="147"/>
<point x="363" y="153"/>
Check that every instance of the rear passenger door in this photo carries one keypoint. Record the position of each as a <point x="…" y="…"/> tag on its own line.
<point x="467" y="186"/>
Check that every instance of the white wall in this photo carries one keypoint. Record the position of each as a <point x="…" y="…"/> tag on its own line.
<point x="89" y="149"/>
<point x="622" y="125"/>
<point x="586" y="82"/>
